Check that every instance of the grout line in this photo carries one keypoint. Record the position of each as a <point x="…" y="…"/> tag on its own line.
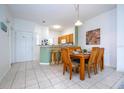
<point x="99" y="80"/>
<point x="18" y="66"/>
<point x="117" y="81"/>
<point x="35" y="75"/>
<point x="25" y="73"/>
<point x="14" y="77"/>
<point x="48" y="78"/>
<point x="55" y="75"/>
<point x="104" y="78"/>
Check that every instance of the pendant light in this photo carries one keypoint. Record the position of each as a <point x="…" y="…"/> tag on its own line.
<point x="78" y="22"/>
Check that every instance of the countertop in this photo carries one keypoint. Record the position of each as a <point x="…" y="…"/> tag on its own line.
<point x="55" y="46"/>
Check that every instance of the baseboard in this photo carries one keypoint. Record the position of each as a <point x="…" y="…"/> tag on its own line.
<point x="44" y="63"/>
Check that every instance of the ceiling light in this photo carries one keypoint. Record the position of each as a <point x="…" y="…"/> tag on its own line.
<point x="78" y="22"/>
<point x="56" y="26"/>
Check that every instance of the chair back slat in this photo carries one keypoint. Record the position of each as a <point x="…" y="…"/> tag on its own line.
<point x="66" y="56"/>
<point x="97" y="49"/>
<point x="93" y="56"/>
<point x="101" y="55"/>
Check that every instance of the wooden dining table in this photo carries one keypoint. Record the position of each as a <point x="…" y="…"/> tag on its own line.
<point x="82" y="58"/>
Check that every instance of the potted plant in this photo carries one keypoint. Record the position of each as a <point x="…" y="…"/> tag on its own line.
<point x="84" y="50"/>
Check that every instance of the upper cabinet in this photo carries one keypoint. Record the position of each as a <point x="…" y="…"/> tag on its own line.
<point x="71" y="38"/>
<point x="65" y="39"/>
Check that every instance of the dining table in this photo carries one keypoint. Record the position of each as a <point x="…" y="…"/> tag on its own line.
<point x="82" y="58"/>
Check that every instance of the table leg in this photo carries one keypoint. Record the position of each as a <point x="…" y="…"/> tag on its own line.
<point x="82" y="69"/>
<point x="102" y="63"/>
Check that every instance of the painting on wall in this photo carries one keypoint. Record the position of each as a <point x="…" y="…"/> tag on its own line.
<point x="3" y="26"/>
<point x="93" y="37"/>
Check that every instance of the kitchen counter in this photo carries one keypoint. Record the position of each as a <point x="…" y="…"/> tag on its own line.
<point x="56" y="46"/>
<point x="45" y="52"/>
<point x="50" y="46"/>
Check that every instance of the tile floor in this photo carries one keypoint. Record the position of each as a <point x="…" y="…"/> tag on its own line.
<point x="32" y="75"/>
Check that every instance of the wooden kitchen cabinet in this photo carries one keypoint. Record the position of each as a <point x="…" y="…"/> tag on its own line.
<point x="71" y="38"/>
<point x="68" y="38"/>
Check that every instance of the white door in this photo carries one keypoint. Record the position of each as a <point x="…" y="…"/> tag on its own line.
<point x="24" y="46"/>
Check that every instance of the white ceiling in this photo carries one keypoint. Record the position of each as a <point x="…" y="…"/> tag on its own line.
<point x="62" y="14"/>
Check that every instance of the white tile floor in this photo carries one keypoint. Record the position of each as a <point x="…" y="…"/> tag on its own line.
<point x="32" y="75"/>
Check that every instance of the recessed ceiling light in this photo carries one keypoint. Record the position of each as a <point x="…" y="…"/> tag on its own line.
<point x="56" y="26"/>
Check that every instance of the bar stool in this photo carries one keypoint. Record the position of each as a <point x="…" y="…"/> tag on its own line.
<point x="58" y="56"/>
<point x="55" y="56"/>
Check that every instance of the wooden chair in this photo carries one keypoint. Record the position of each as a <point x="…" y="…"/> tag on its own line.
<point x="92" y="62"/>
<point x="67" y="61"/>
<point x="100" y="59"/>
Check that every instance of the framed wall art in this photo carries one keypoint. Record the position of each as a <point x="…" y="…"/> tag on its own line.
<point x="93" y="37"/>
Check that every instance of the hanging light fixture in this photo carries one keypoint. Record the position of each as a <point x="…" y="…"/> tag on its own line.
<point x="78" y="22"/>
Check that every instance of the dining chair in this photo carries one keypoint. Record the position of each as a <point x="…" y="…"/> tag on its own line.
<point x="100" y="59"/>
<point x="92" y="62"/>
<point x="67" y="61"/>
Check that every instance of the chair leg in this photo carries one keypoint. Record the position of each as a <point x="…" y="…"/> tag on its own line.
<point x="95" y="68"/>
<point x="98" y="66"/>
<point x="102" y="63"/>
<point x="88" y="71"/>
<point x="64" y="68"/>
<point x="70" y="68"/>
<point x="101" y="66"/>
